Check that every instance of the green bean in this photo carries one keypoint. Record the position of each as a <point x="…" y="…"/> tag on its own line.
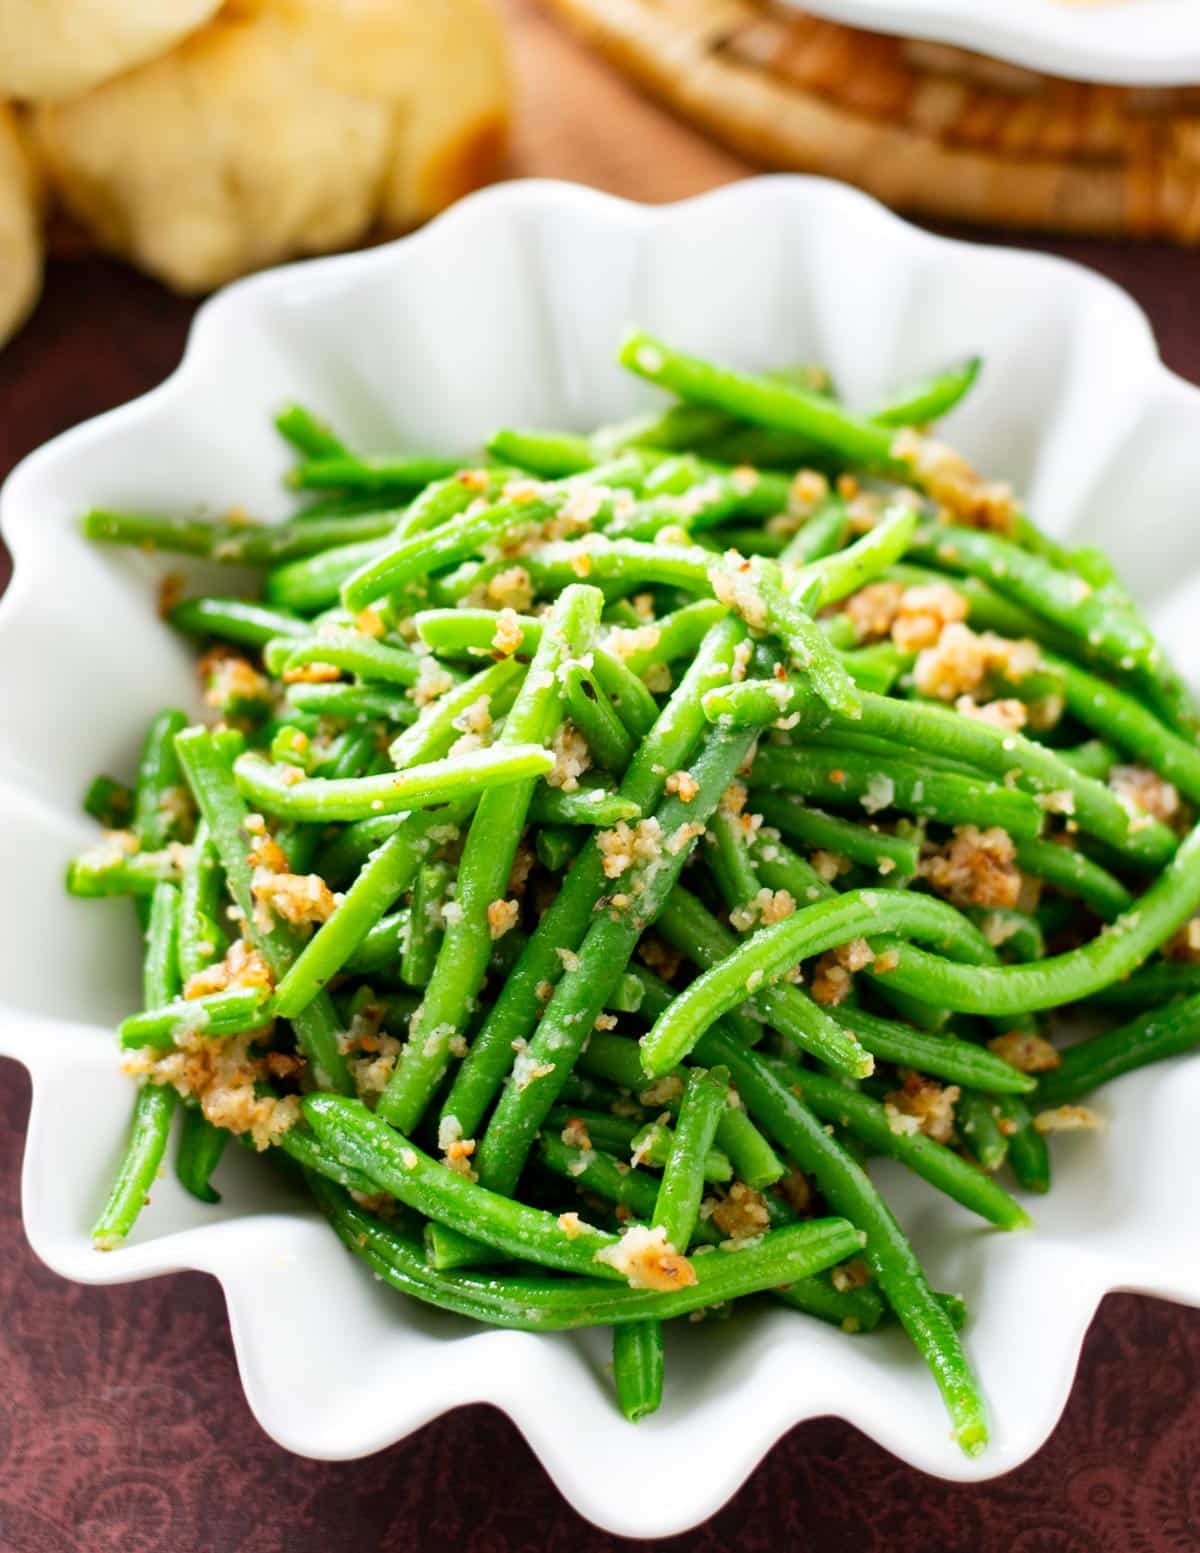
<point x="942" y="1056"/>
<point x="759" y="596"/>
<point x="454" y="632"/>
<point x="819" y="535"/>
<point x="845" y="1185"/>
<point x="843" y="776"/>
<point x="431" y="737"/>
<point x="385" y="876"/>
<point x="307" y="434"/>
<point x="1074" y="873"/>
<point x="1049" y="591"/>
<point x="245" y="543"/>
<point x="486" y="864"/>
<point x="991" y="749"/>
<point x="107" y="870"/>
<point x="346" y="470"/>
<point x="360" y="703"/>
<point x="602" y="957"/>
<point x="550" y="454"/>
<point x="634" y="562"/>
<point x="217" y="1014"/>
<point x="589" y="805"/>
<point x="202" y="755"/>
<point x="201" y="938"/>
<point x="987" y="610"/>
<point x="685" y="924"/>
<point x="561" y="929"/>
<point x="931" y="398"/>
<point x="886" y="853"/>
<point x="314" y="582"/>
<point x="416" y="556"/>
<point x="678" y="428"/>
<point x="155" y="1104"/>
<point x="868" y="1120"/>
<point x="110" y="802"/>
<point x="382" y="947"/>
<point x="1152" y="1036"/>
<point x="541" y="1304"/>
<point x="765" y="955"/>
<point x="677" y="1207"/>
<point x="235" y="620"/>
<point x="368" y="1144"/>
<point x="425" y="923"/>
<point x="761" y="401"/>
<point x="318" y="799"/>
<point x="843" y="572"/>
<point x="650" y="1142"/>
<point x="595" y="1171"/>
<point x="1028" y="1156"/>
<point x="354" y="653"/>
<point x="975" y="1118"/>
<point x="1015" y="932"/>
<point x="1121" y="717"/>
<point x="677" y="635"/>
<point x="557" y="846"/>
<point x="1065" y="978"/>
<point x="607" y="738"/>
<point x="200" y="1148"/>
<point x="1093" y="758"/>
<point x="638" y="1368"/>
<point x="159" y="783"/>
<point x="1158" y="982"/>
<point x="875" y="668"/>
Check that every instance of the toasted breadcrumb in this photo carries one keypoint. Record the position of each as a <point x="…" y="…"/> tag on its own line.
<point x="742" y="655"/>
<point x="662" y="1091"/>
<point x="829" y="865"/>
<point x="455" y="1149"/>
<point x="575" y="1134"/>
<point x="854" y="1274"/>
<point x="433" y="680"/>
<point x="683" y="783"/>
<point x="734" y="581"/>
<point x="795" y="1190"/>
<point x="975" y="868"/>
<point x="369" y="622"/>
<point x="241" y="967"/>
<point x="659" y="956"/>
<point x="831" y="977"/>
<point x="312" y="674"/>
<point x="963" y="660"/>
<point x="1067" y="1118"/>
<point x="502" y="918"/>
<point x="572" y="758"/>
<point x="954" y="484"/>
<point x="522" y="866"/>
<point x="624" y="641"/>
<point x="526" y="1068"/>
<point x="1009" y="714"/>
<point x="1145" y="792"/>
<point x="742" y="1213"/>
<point x="624" y="845"/>
<point x="297" y="898"/>
<point x="510" y="589"/>
<point x="1026" y="1051"/>
<point x="809" y="488"/>
<point x="873" y="609"/>
<point x="647" y="1260"/>
<point x="922" y="1105"/>
<point x="221" y="1075"/>
<point x="767" y="907"/>
<point x="923" y="614"/>
<point x="229" y="679"/>
<point x="509" y="635"/>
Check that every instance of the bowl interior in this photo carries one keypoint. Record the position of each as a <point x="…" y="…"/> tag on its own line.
<point x="508" y="311"/>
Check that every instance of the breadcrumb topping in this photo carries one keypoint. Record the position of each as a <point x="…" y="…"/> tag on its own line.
<point x="647" y="1260"/>
<point x="1068" y="1118"/>
<point x="1144" y="792"/>
<point x="297" y="898"/>
<point x="962" y="660"/>
<point x="433" y="680"/>
<point x="742" y="1213"/>
<point x="922" y="1105"/>
<point x="684" y="784"/>
<point x="975" y="868"/>
<point x="502" y="918"/>
<point x="955" y="484"/>
<point x="241" y="967"/>
<point x="572" y="758"/>
<point x="767" y="907"/>
<point x="735" y="584"/>
<point x="509" y="635"/>
<point x="833" y="972"/>
<point x="1009" y="714"/>
<point x="222" y="1076"/>
<point x="1026" y="1051"/>
<point x="624" y="845"/>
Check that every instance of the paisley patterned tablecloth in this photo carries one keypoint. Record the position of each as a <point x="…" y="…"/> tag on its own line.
<point x="122" y="1424"/>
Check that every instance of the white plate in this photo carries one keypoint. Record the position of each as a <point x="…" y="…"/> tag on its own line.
<point x="1121" y="42"/>
<point x="508" y="310"/>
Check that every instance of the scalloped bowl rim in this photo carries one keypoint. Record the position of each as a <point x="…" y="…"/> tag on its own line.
<point x="500" y="1367"/>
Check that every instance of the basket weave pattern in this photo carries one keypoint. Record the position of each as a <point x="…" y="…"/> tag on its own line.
<point x="929" y="129"/>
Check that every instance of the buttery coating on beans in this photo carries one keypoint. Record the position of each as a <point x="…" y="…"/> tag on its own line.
<point x="594" y="851"/>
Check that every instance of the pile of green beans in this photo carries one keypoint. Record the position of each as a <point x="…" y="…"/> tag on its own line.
<point x="576" y="881"/>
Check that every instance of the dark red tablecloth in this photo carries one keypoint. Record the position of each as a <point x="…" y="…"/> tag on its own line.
<point x="122" y="1424"/>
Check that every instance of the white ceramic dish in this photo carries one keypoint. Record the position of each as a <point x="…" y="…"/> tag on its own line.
<point x="508" y="310"/>
<point x="1121" y="42"/>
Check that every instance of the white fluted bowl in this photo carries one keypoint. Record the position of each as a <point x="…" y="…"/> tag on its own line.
<point x="1117" y="42"/>
<point x="508" y="310"/>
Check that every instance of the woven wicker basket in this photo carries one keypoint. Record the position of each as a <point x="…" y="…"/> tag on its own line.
<point x="930" y="129"/>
